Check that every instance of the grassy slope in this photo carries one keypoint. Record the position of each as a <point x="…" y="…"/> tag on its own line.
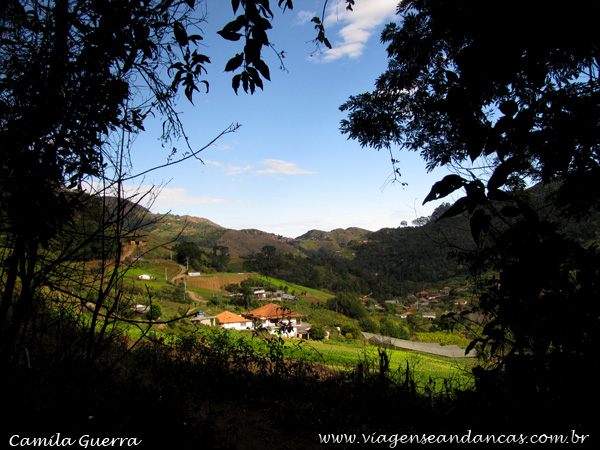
<point x="335" y="354"/>
<point x="425" y="368"/>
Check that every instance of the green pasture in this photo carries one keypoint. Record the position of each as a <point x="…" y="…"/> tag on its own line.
<point x="425" y="368"/>
<point x="319" y="295"/>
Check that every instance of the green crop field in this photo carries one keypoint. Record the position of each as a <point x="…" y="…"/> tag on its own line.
<point x="424" y="368"/>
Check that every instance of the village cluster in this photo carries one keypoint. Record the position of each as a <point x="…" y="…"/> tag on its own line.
<point x="426" y="303"/>
<point x="271" y="317"/>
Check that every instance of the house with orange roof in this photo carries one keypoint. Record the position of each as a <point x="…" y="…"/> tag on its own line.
<point x="228" y="319"/>
<point x="272" y="317"/>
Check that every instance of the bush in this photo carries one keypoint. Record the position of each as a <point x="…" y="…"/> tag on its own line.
<point x="391" y="329"/>
<point x="347" y="304"/>
<point x="154" y="313"/>
<point x="351" y="331"/>
<point x="368" y="325"/>
<point x="317" y="332"/>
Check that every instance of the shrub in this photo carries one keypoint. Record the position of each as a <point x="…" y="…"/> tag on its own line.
<point x="368" y="325"/>
<point x="317" y="332"/>
<point x="154" y="313"/>
<point x="351" y="331"/>
<point x="391" y="329"/>
<point x="347" y="304"/>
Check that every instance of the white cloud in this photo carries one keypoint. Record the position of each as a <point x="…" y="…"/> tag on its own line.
<point x="304" y="16"/>
<point x="157" y="198"/>
<point x="280" y="167"/>
<point x="230" y="169"/>
<point x="360" y="24"/>
<point x="221" y="147"/>
<point x="169" y="198"/>
<point x="236" y="170"/>
<point x="274" y="167"/>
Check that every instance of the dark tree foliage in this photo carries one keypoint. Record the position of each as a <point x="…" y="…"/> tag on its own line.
<point x="394" y="263"/>
<point x="189" y="254"/>
<point x="348" y="304"/>
<point x="403" y="256"/>
<point x="251" y="27"/>
<point x="72" y="76"/>
<point x="514" y="88"/>
<point x="76" y="79"/>
<point x="392" y="329"/>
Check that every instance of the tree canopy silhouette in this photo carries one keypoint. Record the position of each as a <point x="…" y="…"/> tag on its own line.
<point x="78" y="79"/>
<point x="506" y="95"/>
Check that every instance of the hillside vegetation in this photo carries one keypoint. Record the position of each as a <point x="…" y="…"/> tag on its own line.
<point x="205" y="376"/>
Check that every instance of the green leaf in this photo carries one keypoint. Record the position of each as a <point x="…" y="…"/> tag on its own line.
<point x="476" y="194"/>
<point x="245" y="81"/>
<point x="255" y="77"/>
<point x="479" y="224"/>
<point x="460" y="206"/>
<point x="501" y="174"/>
<point x="288" y="4"/>
<point x="236" y="25"/>
<point x="265" y="7"/>
<point x="446" y="186"/>
<point x="234" y="62"/>
<point x="263" y="69"/>
<point x="195" y="37"/>
<point x="235" y="82"/>
<point x="260" y="35"/>
<point x="180" y="34"/>
<point x="189" y="92"/>
<point x="230" y="36"/>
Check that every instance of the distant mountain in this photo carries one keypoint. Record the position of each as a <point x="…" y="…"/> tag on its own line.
<point x="247" y="242"/>
<point x="416" y="253"/>
<point x="339" y="235"/>
<point x="328" y="243"/>
<point x="173" y="228"/>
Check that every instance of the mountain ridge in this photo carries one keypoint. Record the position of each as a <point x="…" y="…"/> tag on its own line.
<point x="246" y="242"/>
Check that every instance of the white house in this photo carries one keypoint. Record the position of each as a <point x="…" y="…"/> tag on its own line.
<point x="230" y="320"/>
<point x="271" y="316"/>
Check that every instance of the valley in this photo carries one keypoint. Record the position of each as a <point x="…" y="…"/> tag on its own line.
<point x="268" y="269"/>
<point x="383" y="322"/>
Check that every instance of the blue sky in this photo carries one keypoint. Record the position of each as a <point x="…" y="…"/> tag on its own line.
<point x="288" y="169"/>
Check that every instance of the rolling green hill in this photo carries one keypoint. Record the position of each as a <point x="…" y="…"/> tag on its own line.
<point x="387" y="263"/>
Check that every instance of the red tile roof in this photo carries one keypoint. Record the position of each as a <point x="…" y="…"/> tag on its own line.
<point x="271" y="311"/>
<point x="229" y="317"/>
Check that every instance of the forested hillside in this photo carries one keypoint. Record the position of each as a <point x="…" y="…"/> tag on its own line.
<point x="387" y="263"/>
<point x="393" y="262"/>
